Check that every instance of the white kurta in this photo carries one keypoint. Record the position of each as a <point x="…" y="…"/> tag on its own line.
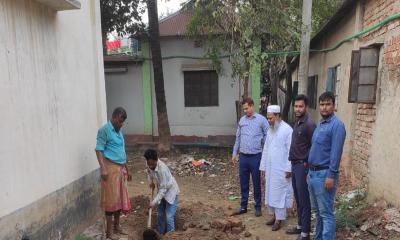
<point x="275" y="162"/>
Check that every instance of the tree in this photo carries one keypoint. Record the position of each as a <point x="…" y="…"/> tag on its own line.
<point x="120" y="16"/>
<point x="163" y="123"/>
<point x="322" y="11"/>
<point x="231" y="26"/>
<point x="228" y="27"/>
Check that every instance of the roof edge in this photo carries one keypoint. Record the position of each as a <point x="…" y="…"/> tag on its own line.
<point x="343" y="10"/>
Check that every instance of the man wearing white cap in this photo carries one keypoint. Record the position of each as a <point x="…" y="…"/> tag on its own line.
<point x="276" y="168"/>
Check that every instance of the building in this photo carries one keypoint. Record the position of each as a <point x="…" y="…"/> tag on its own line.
<point x="360" y="65"/>
<point x="53" y="101"/>
<point x="201" y="103"/>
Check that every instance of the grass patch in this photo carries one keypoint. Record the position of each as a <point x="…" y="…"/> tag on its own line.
<point x="81" y="237"/>
<point x="349" y="208"/>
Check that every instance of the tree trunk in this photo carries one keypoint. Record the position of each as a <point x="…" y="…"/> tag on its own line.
<point x="246" y="82"/>
<point x="245" y="87"/>
<point x="163" y="124"/>
<point x="289" y="90"/>
<point x="104" y="40"/>
<point x="274" y="76"/>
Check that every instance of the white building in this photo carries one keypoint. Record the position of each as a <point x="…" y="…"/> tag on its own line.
<point x="52" y="102"/>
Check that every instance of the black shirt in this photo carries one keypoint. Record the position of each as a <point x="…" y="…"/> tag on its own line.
<point x="301" y="138"/>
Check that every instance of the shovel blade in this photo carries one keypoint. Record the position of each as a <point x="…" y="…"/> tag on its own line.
<point x="150" y="234"/>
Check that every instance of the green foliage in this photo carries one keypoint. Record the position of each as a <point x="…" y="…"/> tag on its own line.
<point x="81" y="237"/>
<point x="348" y="211"/>
<point x="322" y="11"/>
<point x="232" y="26"/>
<point x="121" y="16"/>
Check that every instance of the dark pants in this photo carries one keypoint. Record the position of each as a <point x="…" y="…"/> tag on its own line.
<point x="302" y="196"/>
<point x="250" y="164"/>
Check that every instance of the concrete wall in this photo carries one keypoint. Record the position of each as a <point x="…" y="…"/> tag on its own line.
<point x="372" y="129"/>
<point x="53" y="100"/>
<point x="199" y="121"/>
<point x="319" y="64"/>
<point x="384" y="162"/>
<point x="126" y="90"/>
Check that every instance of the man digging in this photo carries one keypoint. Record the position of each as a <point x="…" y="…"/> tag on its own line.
<point x="168" y="190"/>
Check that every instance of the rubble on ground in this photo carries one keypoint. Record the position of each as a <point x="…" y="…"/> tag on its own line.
<point x="188" y="165"/>
<point x="373" y="221"/>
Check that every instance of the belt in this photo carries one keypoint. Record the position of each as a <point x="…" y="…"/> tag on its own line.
<point x="294" y="162"/>
<point x="317" y="168"/>
<point x="249" y="154"/>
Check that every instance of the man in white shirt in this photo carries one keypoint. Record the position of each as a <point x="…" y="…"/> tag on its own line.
<point x="276" y="168"/>
<point x="168" y="190"/>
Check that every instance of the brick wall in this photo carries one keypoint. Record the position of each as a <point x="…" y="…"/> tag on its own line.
<point x="366" y="115"/>
<point x="374" y="12"/>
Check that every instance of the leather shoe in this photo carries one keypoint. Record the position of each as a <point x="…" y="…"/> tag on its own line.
<point x="271" y="221"/>
<point x="258" y="213"/>
<point x="303" y="238"/>
<point x="293" y="231"/>
<point x="276" y="226"/>
<point x="239" y="212"/>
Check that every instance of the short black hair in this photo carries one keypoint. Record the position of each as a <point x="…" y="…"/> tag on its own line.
<point x="249" y="101"/>
<point x="119" y="112"/>
<point x="151" y="154"/>
<point x="326" y="96"/>
<point x="302" y="97"/>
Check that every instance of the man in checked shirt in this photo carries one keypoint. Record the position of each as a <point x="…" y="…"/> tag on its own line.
<point x="250" y="137"/>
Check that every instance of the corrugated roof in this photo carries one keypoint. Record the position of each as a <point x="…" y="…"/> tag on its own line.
<point x="175" y="24"/>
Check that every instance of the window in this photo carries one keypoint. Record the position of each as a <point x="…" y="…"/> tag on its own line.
<point x="333" y="82"/>
<point x="364" y="75"/>
<point x="201" y="88"/>
<point x="312" y="88"/>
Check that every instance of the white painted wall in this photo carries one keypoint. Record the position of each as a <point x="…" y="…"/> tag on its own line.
<point x="52" y="98"/>
<point x="198" y="121"/>
<point x="126" y="90"/>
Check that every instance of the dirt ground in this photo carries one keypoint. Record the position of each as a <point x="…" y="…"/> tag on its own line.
<point x="209" y="195"/>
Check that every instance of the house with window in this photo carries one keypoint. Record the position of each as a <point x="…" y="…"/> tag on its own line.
<point x="201" y="102"/>
<point x="360" y="65"/>
<point x="52" y="99"/>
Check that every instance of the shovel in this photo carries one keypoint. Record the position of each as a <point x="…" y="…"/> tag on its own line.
<point x="150" y="234"/>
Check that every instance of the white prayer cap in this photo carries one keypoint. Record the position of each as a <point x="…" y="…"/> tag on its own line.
<point x="274" y="109"/>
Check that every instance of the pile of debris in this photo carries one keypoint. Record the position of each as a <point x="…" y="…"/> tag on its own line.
<point x="228" y="228"/>
<point x="376" y="221"/>
<point x="380" y="221"/>
<point x="187" y="165"/>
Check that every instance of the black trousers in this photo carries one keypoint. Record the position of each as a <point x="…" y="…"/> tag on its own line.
<point x="302" y="196"/>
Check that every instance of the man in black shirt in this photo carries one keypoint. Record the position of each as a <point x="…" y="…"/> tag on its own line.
<point x="301" y="143"/>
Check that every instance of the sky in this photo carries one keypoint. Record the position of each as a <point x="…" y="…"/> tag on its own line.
<point x="165" y="8"/>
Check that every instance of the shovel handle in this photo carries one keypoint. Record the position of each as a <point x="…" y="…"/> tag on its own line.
<point x="150" y="210"/>
<point x="149" y="219"/>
